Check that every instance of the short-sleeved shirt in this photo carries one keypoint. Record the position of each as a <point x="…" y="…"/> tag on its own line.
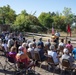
<point x="11" y="57"/>
<point x="12" y="54"/>
<point x="68" y="57"/>
<point x="22" y="58"/>
<point x="54" y="55"/>
<point x="31" y="50"/>
<point x="69" y="46"/>
<point x="74" y="53"/>
<point x="62" y="44"/>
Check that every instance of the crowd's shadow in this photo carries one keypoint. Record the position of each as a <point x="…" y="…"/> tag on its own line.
<point x="10" y="72"/>
<point x="6" y="72"/>
<point x="58" y="71"/>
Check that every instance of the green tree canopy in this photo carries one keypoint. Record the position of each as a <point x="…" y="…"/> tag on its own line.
<point x="46" y="19"/>
<point x="69" y="15"/>
<point x="24" y="20"/>
<point x="29" y="22"/>
<point x="7" y="15"/>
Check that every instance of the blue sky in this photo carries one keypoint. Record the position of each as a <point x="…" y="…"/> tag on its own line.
<point x="39" y="5"/>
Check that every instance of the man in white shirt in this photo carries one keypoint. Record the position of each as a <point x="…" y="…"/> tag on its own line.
<point x="67" y="56"/>
<point x="62" y="43"/>
<point x="53" y="53"/>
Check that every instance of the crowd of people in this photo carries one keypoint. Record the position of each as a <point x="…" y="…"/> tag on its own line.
<point x="18" y="47"/>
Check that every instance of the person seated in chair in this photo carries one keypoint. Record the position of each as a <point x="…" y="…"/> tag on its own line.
<point x="34" y="41"/>
<point x="61" y="46"/>
<point x="69" y="46"/>
<point x="67" y="56"/>
<point x="62" y="43"/>
<point x="52" y="52"/>
<point x="31" y="49"/>
<point x="74" y="53"/>
<point x="47" y="45"/>
<point x="12" y="54"/>
<point x="40" y="50"/>
<point x="24" y="45"/>
<point x="23" y="58"/>
<point x="53" y="42"/>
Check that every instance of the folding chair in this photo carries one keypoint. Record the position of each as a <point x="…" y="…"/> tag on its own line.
<point x="60" y="50"/>
<point x="21" y="68"/>
<point x="1" y="65"/>
<point x="10" y="62"/>
<point x="1" y="55"/>
<point x="29" y="55"/>
<point x="32" y="58"/>
<point x="50" y="62"/>
<point x="1" y="50"/>
<point x="37" y="58"/>
<point x="66" y="65"/>
<point x="46" y="48"/>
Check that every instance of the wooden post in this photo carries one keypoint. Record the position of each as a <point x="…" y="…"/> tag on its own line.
<point x="66" y="40"/>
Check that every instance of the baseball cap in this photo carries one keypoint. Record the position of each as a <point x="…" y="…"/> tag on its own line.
<point x="20" y="48"/>
<point x="65" y="50"/>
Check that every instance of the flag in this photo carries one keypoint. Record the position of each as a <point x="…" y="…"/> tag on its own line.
<point x="53" y="30"/>
<point x="68" y="29"/>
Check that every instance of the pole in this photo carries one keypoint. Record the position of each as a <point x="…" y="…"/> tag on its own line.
<point x="66" y="40"/>
<point x="33" y="35"/>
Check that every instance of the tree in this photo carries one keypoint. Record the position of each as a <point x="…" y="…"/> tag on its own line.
<point x="19" y="23"/>
<point x="24" y="20"/>
<point x="24" y="12"/>
<point x="59" y="22"/>
<point x="62" y="24"/>
<point x="56" y="20"/>
<point x="53" y="14"/>
<point x="7" y="15"/>
<point x="46" y="20"/>
<point x="69" y="15"/>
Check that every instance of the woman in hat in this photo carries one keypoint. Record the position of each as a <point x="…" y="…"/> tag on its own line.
<point x="23" y="58"/>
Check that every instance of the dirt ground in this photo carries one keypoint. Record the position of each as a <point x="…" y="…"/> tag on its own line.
<point x="45" y="38"/>
<point x="38" y="71"/>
